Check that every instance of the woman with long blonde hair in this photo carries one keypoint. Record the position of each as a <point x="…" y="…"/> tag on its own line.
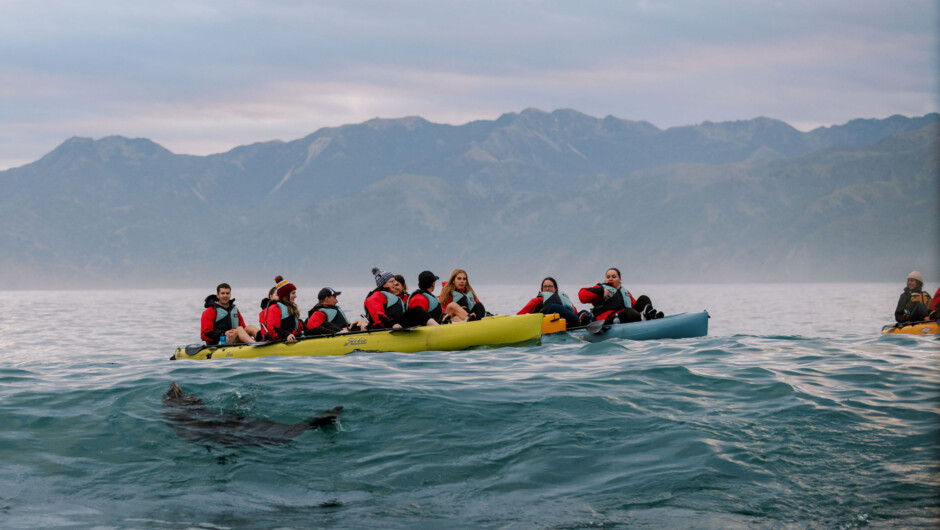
<point x="459" y="300"/>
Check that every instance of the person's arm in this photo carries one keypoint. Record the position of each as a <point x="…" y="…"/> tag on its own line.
<point x="272" y="321"/>
<point x="207" y="323"/>
<point x="591" y="295"/>
<point x="375" y="306"/>
<point x="419" y="301"/>
<point x="241" y="321"/>
<point x="316" y="320"/>
<point x="530" y="307"/>
<point x="899" y="315"/>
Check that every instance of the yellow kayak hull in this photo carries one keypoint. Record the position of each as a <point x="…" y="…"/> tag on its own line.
<point x="500" y="330"/>
<point x="916" y="328"/>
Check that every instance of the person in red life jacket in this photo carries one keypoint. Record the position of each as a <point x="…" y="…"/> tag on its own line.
<point x="327" y="318"/>
<point x="610" y="300"/>
<point x="913" y="303"/>
<point x="385" y="306"/>
<point x="459" y="300"/>
<point x="282" y="318"/>
<point x="265" y="303"/>
<point x="222" y="317"/>
<point x="404" y="286"/>
<point x="424" y="298"/>
<point x="935" y="314"/>
<point x="551" y="300"/>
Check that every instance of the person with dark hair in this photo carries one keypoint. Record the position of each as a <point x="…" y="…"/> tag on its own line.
<point x="610" y="301"/>
<point x="913" y="303"/>
<point x="265" y="303"/>
<point x="404" y="285"/>
<point x="385" y="305"/>
<point x="327" y="318"/>
<point x="424" y="297"/>
<point x="551" y="300"/>
<point x="222" y="318"/>
<point x="282" y="318"/>
<point x="459" y="300"/>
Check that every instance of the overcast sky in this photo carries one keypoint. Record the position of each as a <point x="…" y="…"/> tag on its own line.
<point x="202" y="77"/>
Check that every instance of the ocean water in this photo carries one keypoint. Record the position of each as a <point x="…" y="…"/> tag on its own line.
<point x="793" y="412"/>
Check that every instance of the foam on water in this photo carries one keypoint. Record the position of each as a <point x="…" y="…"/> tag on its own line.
<point x="788" y="413"/>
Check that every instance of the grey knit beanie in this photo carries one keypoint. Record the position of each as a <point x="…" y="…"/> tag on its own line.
<point x="381" y="276"/>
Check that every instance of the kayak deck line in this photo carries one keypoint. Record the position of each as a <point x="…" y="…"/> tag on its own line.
<point x="499" y="330"/>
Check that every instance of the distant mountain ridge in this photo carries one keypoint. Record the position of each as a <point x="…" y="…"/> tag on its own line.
<point x="559" y="189"/>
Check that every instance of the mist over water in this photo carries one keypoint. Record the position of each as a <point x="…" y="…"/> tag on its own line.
<point x="793" y="411"/>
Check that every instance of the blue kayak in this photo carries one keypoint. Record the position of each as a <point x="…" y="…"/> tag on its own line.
<point x="681" y="326"/>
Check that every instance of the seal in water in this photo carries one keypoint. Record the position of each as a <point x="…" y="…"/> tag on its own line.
<point x="192" y="421"/>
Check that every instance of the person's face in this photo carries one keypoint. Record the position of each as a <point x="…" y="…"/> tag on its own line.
<point x="432" y="287"/>
<point x="392" y="286"/>
<point x="292" y="296"/>
<point x="226" y="294"/>
<point x="460" y="281"/>
<point x="548" y="287"/>
<point x="274" y="296"/>
<point x="330" y="300"/>
<point x="613" y="278"/>
<point x="911" y="283"/>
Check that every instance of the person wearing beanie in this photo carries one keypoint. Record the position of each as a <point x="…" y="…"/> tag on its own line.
<point x="386" y="305"/>
<point x="914" y="302"/>
<point x="610" y="300"/>
<point x="425" y="299"/>
<point x="459" y="300"/>
<point x="282" y="318"/>
<point x="551" y="300"/>
<point x="327" y="318"/>
<point x="222" y="317"/>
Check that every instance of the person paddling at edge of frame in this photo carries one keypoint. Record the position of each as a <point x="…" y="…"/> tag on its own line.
<point x="914" y="302"/>
<point x="551" y="300"/>
<point x="385" y="305"/>
<point x="459" y="299"/>
<point x="610" y="301"/>
<point x="327" y="318"/>
<point x="425" y="299"/>
<point x="222" y="319"/>
<point x="282" y="318"/>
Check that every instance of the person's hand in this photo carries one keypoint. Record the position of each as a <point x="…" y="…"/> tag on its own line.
<point x="344" y="330"/>
<point x="230" y="335"/>
<point x="607" y="294"/>
<point x="291" y="338"/>
<point x="396" y="326"/>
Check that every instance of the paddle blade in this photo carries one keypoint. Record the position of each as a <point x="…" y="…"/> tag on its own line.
<point x="596" y="328"/>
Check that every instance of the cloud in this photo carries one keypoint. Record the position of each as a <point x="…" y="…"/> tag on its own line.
<point x="206" y="76"/>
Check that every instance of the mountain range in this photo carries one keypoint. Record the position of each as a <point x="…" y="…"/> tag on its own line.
<point x="512" y="199"/>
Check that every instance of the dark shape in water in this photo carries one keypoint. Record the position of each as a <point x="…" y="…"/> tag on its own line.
<point x="190" y="419"/>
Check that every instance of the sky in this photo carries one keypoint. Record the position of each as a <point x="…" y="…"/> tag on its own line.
<point x="202" y="77"/>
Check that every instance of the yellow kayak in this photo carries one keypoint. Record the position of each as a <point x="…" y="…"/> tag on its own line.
<point x="913" y="328"/>
<point x="500" y="330"/>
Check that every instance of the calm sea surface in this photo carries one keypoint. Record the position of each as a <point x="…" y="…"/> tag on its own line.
<point x="793" y="412"/>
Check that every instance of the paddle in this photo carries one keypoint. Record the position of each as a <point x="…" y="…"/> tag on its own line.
<point x="598" y="327"/>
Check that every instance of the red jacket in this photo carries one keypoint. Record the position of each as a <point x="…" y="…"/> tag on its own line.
<point x="936" y="300"/>
<point x="595" y="296"/>
<point x="530" y="307"/>
<point x="375" y="307"/>
<point x="207" y="323"/>
<point x="272" y="321"/>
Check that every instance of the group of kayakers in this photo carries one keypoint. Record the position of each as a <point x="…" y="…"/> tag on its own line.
<point x="915" y="305"/>
<point x="389" y="306"/>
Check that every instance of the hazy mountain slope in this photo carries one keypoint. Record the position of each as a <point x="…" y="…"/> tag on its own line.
<point x="525" y="193"/>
